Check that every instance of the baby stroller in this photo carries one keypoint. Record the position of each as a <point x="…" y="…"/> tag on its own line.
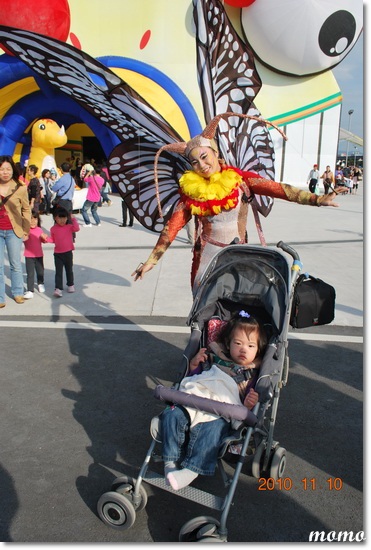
<point x="261" y="281"/>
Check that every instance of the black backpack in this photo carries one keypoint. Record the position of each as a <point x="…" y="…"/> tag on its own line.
<point x="313" y="302"/>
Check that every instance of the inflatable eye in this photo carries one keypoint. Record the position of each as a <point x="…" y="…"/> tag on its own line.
<point x="302" y="37"/>
<point x="337" y="33"/>
<point x="42" y="127"/>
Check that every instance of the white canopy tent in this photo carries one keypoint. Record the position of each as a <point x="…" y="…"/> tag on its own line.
<point x="348" y="136"/>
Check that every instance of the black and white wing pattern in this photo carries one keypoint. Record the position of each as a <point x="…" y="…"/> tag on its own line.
<point x="229" y="81"/>
<point x="131" y="169"/>
<point x="140" y="129"/>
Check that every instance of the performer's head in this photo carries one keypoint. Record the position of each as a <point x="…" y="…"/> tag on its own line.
<point x="202" y="145"/>
<point x="203" y="156"/>
<point x="200" y="141"/>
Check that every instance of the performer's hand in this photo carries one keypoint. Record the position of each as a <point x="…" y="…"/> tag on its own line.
<point x="327" y="200"/>
<point x="141" y="270"/>
<point x="342" y="189"/>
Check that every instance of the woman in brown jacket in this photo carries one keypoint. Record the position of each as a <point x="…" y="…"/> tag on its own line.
<point x="328" y="179"/>
<point x="15" y="219"/>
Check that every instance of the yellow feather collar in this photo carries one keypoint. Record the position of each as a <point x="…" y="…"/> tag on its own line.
<point x="205" y="197"/>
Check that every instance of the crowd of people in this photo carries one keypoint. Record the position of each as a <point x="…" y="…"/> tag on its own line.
<point x="52" y="186"/>
<point x="20" y="227"/>
<point x="24" y="198"/>
<point x="347" y="176"/>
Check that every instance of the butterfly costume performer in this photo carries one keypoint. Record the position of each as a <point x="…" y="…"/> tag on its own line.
<point x="148" y="162"/>
<point x="219" y="203"/>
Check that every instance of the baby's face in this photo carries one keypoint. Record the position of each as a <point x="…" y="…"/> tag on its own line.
<point x="242" y="347"/>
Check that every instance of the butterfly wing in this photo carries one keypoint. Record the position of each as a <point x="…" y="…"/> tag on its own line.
<point x="141" y="130"/>
<point x="229" y="81"/>
<point x="131" y="169"/>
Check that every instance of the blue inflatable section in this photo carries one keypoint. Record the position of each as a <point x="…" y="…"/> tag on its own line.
<point x="162" y="80"/>
<point x="49" y="103"/>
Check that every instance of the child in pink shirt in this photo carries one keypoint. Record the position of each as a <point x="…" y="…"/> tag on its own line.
<point x="34" y="255"/>
<point x="62" y="235"/>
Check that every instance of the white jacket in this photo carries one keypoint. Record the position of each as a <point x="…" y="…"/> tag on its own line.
<point x="212" y="384"/>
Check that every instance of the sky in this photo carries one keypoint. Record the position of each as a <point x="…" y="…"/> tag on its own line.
<point x="349" y="76"/>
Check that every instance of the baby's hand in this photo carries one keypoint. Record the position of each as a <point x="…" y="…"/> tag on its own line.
<point x="200" y="357"/>
<point x="251" y="399"/>
<point x="44" y="237"/>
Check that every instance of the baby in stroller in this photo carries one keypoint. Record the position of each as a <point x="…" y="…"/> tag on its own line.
<point x="191" y="439"/>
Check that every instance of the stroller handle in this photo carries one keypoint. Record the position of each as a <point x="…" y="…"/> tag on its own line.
<point x="227" y="410"/>
<point x="287" y="248"/>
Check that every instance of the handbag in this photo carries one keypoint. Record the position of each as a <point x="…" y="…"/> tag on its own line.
<point x="313" y="302"/>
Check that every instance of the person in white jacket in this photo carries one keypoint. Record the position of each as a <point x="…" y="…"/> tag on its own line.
<point x="191" y="438"/>
<point x="313" y="178"/>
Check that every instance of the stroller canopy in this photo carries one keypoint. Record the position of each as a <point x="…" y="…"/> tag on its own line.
<point x="244" y="275"/>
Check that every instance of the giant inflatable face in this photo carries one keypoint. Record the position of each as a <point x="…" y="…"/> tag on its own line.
<point x="302" y="37"/>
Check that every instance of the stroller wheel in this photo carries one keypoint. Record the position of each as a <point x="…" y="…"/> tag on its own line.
<point x="116" y="510"/>
<point x="278" y="463"/>
<point x="120" y="481"/>
<point x="201" y="529"/>
<point x="258" y="459"/>
<point x="125" y="485"/>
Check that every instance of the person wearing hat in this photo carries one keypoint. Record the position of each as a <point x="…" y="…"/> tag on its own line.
<point x="313" y="178"/>
<point x="217" y="196"/>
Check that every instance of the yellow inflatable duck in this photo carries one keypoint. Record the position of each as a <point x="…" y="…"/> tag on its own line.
<point x="46" y="136"/>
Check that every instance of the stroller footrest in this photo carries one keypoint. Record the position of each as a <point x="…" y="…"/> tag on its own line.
<point x="190" y="493"/>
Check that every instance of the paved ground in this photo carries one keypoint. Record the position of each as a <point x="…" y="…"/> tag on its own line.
<point x="78" y="374"/>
